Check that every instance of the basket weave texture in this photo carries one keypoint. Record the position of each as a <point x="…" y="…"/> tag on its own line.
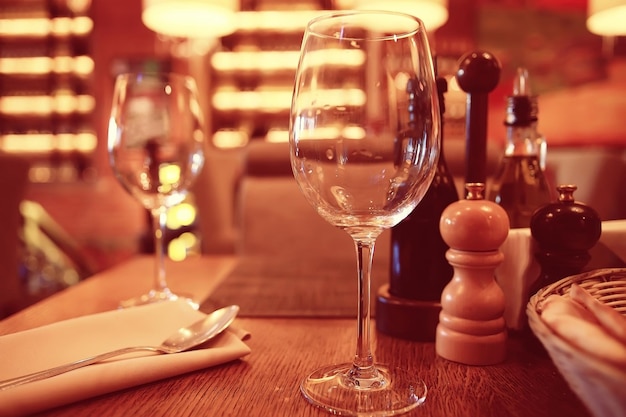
<point x="599" y="384"/>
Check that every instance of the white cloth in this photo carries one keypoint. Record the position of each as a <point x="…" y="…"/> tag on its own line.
<point x="69" y="340"/>
<point x="520" y="269"/>
<point x="614" y="237"/>
<point x="516" y="274"/>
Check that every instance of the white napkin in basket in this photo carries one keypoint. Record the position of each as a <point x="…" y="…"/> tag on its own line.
<point x="48" y="346"/>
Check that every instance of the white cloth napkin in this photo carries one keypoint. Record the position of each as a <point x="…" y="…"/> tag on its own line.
<point x="517" y="272"/>
<point x="520" y="269"/>
<point x="48" y="346"/>
<point x="614" y="237"/>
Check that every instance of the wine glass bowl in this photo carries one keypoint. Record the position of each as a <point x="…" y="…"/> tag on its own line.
<point x="155" y="145"/>
<point x="364" y="145"/>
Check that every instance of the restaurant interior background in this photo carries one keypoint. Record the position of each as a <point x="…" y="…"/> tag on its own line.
<point x="58" y="58"/>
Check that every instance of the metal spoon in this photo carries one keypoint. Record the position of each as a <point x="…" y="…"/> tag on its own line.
<point x="183" y="339"/>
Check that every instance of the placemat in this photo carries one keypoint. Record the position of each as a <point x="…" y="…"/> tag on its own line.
<point x="274" y="287"/>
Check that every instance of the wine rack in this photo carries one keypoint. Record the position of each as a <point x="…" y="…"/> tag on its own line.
<point x="46" y="99"/>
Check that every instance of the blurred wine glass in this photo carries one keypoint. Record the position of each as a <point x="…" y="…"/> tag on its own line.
<point x="155" y="145"/>
<point x="364" y="144"/>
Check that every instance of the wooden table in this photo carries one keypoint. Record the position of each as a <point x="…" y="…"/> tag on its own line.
<point x="265" y="383"/>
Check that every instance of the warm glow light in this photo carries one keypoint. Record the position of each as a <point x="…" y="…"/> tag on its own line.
<point x="63" y="64"/>
<point x="189" y="239"/>
<point x="61" y="26"/>
<point x="43" y="142"/>
<point x="176" y="250"/>
<point x="276" y="101"/>
<point x="340" y="57"/>
<point x="65" y="103"/>
<point x="40" y="174"/>
<point x="25" y="27"/>
<point x="228" y="139"/>
<point x="434" y="13"/>
<point x="169" y="174"/>
<point x="277" y="136"/>
<point x="333" y="97"/>
<point x="30" y="65"/>
<point x="353" y="132"/>
<point x="65" y="142"/>
<point x="62" y="102"/>
<point x="269" y="101"/>
<point x="190" y="18"/>
<point x="183" y="246"/>
<point x="47" y="142"/>
<point x="318" y="133"/>
<point x="85" y="103"/>
<point x="277" y="60"/>
<point x="181" y="215"/>
<point x="42" y="26"/>
<point x="81" y="25"/>
<point x="290" y="21"/>
<point x="82" y="65"/>
<point x="255" y="61"/>
<point x="607" y="17"/>
<point x="85" y="142"/>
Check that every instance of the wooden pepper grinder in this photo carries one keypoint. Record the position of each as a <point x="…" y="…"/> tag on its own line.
<point x="478" y="75"/>
<point x="472" y="329"/>
<point x="565" y="231"/>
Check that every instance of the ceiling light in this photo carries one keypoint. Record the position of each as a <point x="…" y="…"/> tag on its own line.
<point x="190" y="18"/>
<point x="606" y="17"/>
<point x="434" y="13"/>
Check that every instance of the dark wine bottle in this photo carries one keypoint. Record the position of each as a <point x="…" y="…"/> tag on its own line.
<point x="419" y="269"/>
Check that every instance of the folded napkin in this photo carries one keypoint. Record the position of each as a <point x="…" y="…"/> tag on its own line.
<point x="614" y="237"/>
<point x="587" y="325"/>
<point x="66" y="341"/>
<point x="517" y="272"/>
<point x="586" y="339"/>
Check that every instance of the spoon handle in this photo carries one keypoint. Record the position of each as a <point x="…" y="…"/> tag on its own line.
<point x="36" y="376"/>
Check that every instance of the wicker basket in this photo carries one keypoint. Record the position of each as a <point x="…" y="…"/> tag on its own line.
<point x="599" y="384"/>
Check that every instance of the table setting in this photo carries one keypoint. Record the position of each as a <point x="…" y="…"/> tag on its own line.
<point x="364" y="145"/>
<point x="65" y="341"/>
<point x="282" y="350"/>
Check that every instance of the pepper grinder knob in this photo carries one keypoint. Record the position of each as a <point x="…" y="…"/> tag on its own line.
<point x="471" y="328"/>
<point x="478" y="75"/>
<point x="479" y="72"/>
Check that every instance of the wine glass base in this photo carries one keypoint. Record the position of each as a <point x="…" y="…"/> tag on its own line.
<point x="394" y="392"/>
<point x="157" y="297"/>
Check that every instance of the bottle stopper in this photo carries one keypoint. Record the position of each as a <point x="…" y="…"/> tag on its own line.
<point x="521" y="109"/>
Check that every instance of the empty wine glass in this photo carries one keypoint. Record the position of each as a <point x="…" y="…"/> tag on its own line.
<point x="364" y="144"/>
<point x="155" y="145"/>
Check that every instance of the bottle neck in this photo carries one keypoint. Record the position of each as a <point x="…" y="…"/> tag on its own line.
<point x="523" y="140"/>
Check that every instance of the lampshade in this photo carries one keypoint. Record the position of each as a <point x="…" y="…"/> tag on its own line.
<point x="607" y="17"/>
<point x="190" y="18"/>
<point x="434" y="13"/>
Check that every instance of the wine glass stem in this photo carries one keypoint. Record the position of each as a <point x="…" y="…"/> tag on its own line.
<point x="159" y="216"/>
<point x="363" y="364"/>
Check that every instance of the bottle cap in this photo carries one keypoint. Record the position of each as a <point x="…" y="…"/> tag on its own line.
<point x="521" y="107"/>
